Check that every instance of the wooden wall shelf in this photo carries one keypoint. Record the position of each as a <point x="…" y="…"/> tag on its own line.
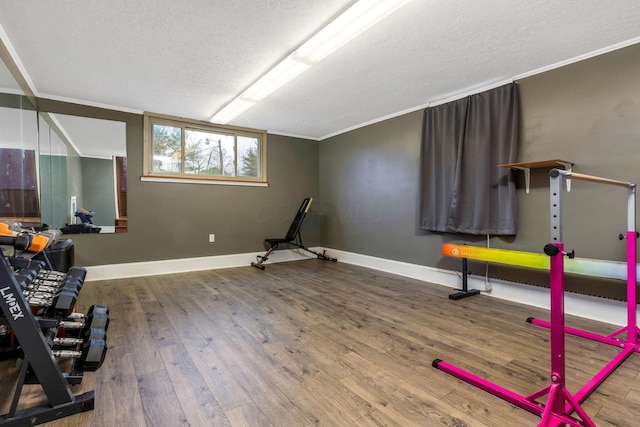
<point x="539" y="164"/>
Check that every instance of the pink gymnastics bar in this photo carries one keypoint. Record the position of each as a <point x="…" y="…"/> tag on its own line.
<point x="560" y="403"/>
<point x="632" y="342"/>
<point x="631" y="329"/>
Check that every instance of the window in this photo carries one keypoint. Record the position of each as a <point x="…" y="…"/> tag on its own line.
<point x="190" y="150"/>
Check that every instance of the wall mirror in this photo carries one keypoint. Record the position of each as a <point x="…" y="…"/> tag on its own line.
<point x="83" y="173"/>
<point x="57" y="169"/>
<point x="19" y="196"/>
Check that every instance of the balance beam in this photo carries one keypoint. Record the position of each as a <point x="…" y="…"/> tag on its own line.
<point x="539" y="261"/>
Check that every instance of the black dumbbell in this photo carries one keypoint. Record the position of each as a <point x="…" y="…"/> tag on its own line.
<point x="96" y="318"/>
<point x="93" y="355"/>
<point x="67" y="341"/>
<point x="98" y="308"/>
<point x="78" y="317"/>
<point x="37" y="301"/>
<point x="86" y="335"/>
<point x="71" y="282"/>
<point x="62" y="304"/>
<point x="64" y="301"/>
<point x="50" y="275"/>
<point x="66" y="286"/>
<point x="26" y="275"/>
<point x="38" y="298"/>
<point x="94" y="334"/>
<point x="43" y="287"/>
<point x="89" y="358"/>
<point x="74" y="278"/>
<point x="77" y="273"/>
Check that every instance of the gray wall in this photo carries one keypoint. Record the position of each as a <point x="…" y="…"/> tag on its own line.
<point x="366" y="184"/>
<point x="97" y="190"/>
<point x="369" y="192"/>
<point x="172" y="221"/>
<point x="587" y="113"/>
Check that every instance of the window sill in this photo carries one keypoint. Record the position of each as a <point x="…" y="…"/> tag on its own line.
<point x="202" y="181"/>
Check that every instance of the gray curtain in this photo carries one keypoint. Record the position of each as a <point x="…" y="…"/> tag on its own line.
<point x="463" y="190"/>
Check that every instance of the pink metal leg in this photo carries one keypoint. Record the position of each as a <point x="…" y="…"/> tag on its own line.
<point x="631" y="329"/>
<point x="605" y="339"/>
<point x="602" y="375"/>
<point x="489" y="387"/>
<point x="555" y="412"/>
<point x="560" y="403"/>
<point x="556" y="286"/>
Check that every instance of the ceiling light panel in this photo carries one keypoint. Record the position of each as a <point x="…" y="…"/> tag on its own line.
<point x="352" y="22"/>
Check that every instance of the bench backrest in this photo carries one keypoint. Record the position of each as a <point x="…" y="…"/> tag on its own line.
<point x="297" y="221"/>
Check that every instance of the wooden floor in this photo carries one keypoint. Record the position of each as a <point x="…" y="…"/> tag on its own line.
<point x="319" y="343"/>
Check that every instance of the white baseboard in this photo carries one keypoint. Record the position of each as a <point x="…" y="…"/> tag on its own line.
<point x="171" y="266"/>
<point x="589" y="307"/>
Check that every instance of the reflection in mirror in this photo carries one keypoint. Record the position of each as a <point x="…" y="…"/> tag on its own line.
<point x="19" y="201"/>
<point x="82" y="173"/>
<point x="62" y="171"/>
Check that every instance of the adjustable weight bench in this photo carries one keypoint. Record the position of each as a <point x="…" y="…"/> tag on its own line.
<point x="290" y="238"/>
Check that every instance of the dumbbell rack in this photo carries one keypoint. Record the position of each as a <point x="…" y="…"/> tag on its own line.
<point x="37" y="356"/>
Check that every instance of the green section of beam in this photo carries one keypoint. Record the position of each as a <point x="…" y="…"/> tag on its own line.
<point x="539" y="261"/>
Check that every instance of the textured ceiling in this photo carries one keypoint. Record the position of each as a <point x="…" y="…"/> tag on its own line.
<point x="189" y="59"/>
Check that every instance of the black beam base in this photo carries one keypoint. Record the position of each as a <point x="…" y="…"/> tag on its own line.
<point x="464" y="294"/>
<point x="43" y="414"/>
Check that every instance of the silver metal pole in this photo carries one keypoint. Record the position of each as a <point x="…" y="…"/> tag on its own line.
<point x="555" y="187"/>
<point x="631" y="208"/>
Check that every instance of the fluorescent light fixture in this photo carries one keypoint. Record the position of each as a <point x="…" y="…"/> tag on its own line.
<point x="231" y="110"/>
<point x="285" y="71"/>
<point x="345" y="27"/>
<point x="352" y="22"/>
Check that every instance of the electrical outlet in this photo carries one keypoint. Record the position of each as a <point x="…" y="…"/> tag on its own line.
<point x="212" y="238"/>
